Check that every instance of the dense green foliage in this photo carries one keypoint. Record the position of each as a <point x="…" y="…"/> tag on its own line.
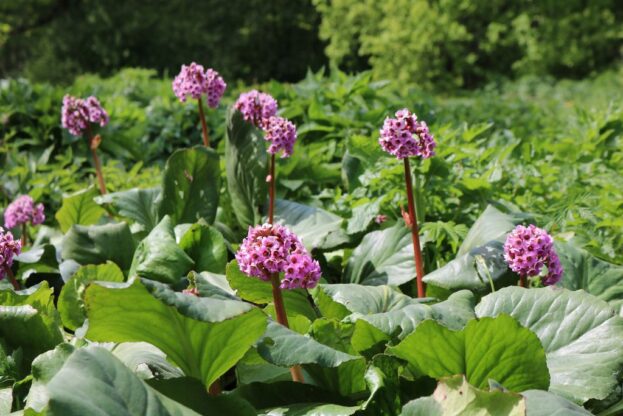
<point x="461" y="43"/>
<point x="105" y="326"/>
<point x="243" y="39"/>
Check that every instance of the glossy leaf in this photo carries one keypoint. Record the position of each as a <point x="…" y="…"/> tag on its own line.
<point x="79" y="208"/>
<point x="136" y="204"/>
<point x="206" y="246"/>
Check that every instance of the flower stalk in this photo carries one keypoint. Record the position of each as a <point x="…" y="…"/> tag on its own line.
<point x="94" y="142"/>
<point x="282" y="318"/>
<point x="204" y="126"/>
<point x="24" y="238"/>
<point x="412" y="224"/>
<point x="271" y="189"/>
<point x="12" y="279"/>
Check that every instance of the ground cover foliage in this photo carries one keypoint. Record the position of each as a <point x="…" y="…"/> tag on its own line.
<point x="103" y="326"/>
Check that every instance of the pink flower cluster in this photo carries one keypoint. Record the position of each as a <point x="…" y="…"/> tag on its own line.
<point x="22" y="211"/>
<point x="270" y="249"/>
<point x="404" y="136"/>
<point x="78" y="113"/>
<point x="281" y="133"/>
<point x="528" y="249"/>
<point x="8" y="249"/>
<point x="256" y="107"/>
<point x="193" y="80"/>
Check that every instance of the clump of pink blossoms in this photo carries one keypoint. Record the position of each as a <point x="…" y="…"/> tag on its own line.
<point x="256" y="107"/>
<point x="194" y="81"/>
<point x="78" y="113"/>
<point x="271" y="249"/>
<point x="528" y="249"/>
<point x="23" y="210"/>
<point x="281" y="133"/>
<point x="9" y="248"/>
<point x="405" y="136"/>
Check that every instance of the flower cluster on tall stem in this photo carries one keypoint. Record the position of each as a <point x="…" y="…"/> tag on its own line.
<point x="528" y="250"/>
<point x="404" y="136"/>
<point x="9" y="248"/>
<point x="21" y="212"/>
<point x="77" y="116"/>
<point x="270" y="250"/>
<point x="194" y="81"/>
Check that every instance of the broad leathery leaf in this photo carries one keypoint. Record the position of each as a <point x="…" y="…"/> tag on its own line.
<point x="383" y="258"/>
<point x="490" y="348"/>
<point x="158" y="257"/>
<point x="136" y="204"/>
<point x="93" y="382"/>
<point x="206" y="246"/>
<point x="29" y="320"/>
<point x="190" y="330"/>
<point x="246" y="168"/>
<point x="190" y="185"/>
<point x="543" y="403"/>
<point x="44" y="367"/>
<point x="79" y="208"/>
<point x="582" y="336"/>
<point x="317" y="228"/>
<point x="96" y="244"/>
<point x="455" y="396"/>
<point x="146" y="361"/>
<point x="70" y="302"/>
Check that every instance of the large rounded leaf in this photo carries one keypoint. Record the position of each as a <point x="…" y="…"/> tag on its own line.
<point x="246" y="167"/>
<point x="490" y="348"/>
<point x="136" y="204"/>
<point x="191" y="185"/>
<point x="582" y="336"/>
<point x="97" y="244"/>
<point x="206" y="246"/>
<point x="383" y="258"/>
<point x="158" y="257"/>
<point x="79" y="208"/>
<point x="202" y="336"/>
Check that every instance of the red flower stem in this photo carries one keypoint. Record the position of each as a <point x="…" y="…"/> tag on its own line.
<point x="522" y="281"/>
<point x="417" y="254"/>
<point x="271" y="190"/>
<point x="204" y="126"/>
<point x="12" y="279"/>
<point x="282" y="318"/>
<point x="24" y="236"/>
<point x="215" y="388"/>
<point x="98" y="171"/>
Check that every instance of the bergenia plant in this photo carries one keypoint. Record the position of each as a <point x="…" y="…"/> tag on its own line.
<point x="77" y="116"/>
<point x="403" y="137"/>
<point x="21" y="212"/>
<point x="9" y="248"/>
<point x="269" y="251"/>
<point x="260" y="109"/>
<point x="528" y="250"/>
<point x="194" y="81"/>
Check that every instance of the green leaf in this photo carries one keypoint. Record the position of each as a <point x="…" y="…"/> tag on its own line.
<point x="365" y="300"/>
<point x="258" y="291"/>
<point x="490" y="348"/>
<point x="283" y="347"/>
<point x="317" y="228"/>
<point x="581" y="334"/>
<point x="204" y="337"/>
<point x="146" y="361"/>
<point x="79" y="208"/>
<point x="582" y="270"/>
<point x="97" y="244"/>
<point x="137" y="204"/>
<point x="206" y="246"/>
<point x="44" y="367"/>
<point x="543" y="403"/>
<point x="190" y="185"/>
<point x="246" y="167"/>
<point x="93" y="382"/>
<point x="158" y="257"/>
<point x="383" y="258"/>
<point x="29" y="320"/>
<point x="455" y="396"/>
<point x="70" y="302"/>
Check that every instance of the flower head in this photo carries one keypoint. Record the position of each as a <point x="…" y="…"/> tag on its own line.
<point x="405" y="136"/>
<point x="270" y="249"/>
<point x="78" y="113"/>
<point x="9" y="248"/>
<point x="281" y="133"/>
<point x="528" y="249"/>
<point x="256" y="107"/>
<point x="193" y="80"/>
<point x="22" y="211"/>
